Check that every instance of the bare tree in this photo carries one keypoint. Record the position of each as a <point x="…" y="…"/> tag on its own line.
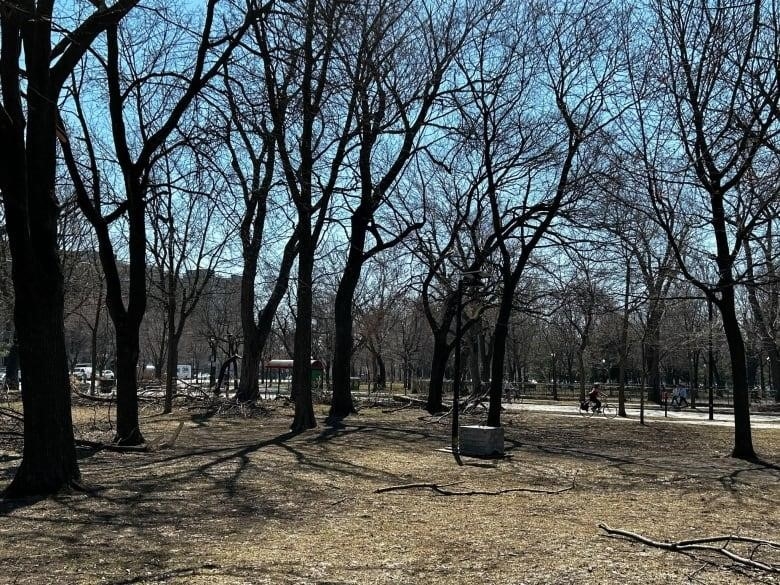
<point x="453" y="242"/>
<point x="713" y="73"/>
<point x="577" y="44"/>
<point x="246" y="130"/>
<point x="186" y="246"/>
<point x="311" y="108"/>
<point x="37" y="55"/>
<point x="398" y="63"/>
<point x="763" y="294"/>
<point x="133" y="70"/>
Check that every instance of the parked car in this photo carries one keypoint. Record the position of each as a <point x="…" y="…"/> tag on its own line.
<point x="108" y="375"/>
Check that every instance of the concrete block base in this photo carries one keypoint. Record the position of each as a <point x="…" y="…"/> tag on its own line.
<point x="482" y="441"/>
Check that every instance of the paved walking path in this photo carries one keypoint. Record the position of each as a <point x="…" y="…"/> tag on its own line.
<point x="722" y="416"/>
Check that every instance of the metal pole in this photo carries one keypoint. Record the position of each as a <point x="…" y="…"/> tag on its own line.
<point x="456" y="382"/>
<point x="213" y="365"/>
<point x="769" y="361"/>
<point x="642" y="388"/>
<point x="710" y="369"/>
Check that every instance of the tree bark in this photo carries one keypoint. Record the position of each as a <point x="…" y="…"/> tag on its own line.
<point x="49" y="456"/>
<point x="27" y="182"/>
<point x="381" y="372"/>
<point x="743" y="441"/>
<point x="623" y="357"/>
<point x="342" y="404"/>
<point x="653" y="356"/>
<point x="172" y="355"/>
<point x="171" y="370"/>
<point x="303" y="418"/>
<point x="256" y="335"/>
<point x="441" y="353"/>
<point x="248" y="388"/>
<point x="301" y="372"/>
<point x="128" y="431"/>
<point x="500" y="333"/>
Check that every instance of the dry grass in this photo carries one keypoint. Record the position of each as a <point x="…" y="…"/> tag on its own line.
<point x="239" y="500"/>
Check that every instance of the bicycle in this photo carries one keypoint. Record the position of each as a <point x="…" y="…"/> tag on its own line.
<point x="606" y="409"/>
<point x="511" y="391"/>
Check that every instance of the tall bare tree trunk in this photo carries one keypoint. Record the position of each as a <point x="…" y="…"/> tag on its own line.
<point x="301" y="372"/>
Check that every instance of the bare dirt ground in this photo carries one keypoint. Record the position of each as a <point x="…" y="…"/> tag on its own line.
<point x="240" y="500"/>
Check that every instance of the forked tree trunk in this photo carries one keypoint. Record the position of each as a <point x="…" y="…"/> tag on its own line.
<point x="381" y="372"/>
<point x="652" y="367"/>
<point x="256" y="334"/>
<point x="581" y="370"/>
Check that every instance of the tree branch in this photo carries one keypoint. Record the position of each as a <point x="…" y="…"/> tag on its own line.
<point x="704" y="544"/>
<point x="439" y="489"/>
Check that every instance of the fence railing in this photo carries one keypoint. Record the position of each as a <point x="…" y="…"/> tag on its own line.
<point x="567" y="390"/>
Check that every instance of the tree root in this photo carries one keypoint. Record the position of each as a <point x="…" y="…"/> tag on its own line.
<point x="439" y="489"/>
<point x="707" y="544"/>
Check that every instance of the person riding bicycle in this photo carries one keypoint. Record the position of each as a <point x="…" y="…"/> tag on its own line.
<point x="679" y="395"/>
<point x="593" y="396"/>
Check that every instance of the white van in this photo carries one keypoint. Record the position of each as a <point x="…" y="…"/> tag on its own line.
<point x="83" y="371"/>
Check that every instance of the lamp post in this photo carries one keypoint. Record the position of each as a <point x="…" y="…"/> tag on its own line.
<point x="229" y="356"/>
<point x="604" y="367"/>
<point x="710" y="358"/>
<point x="769" y="363"/>
<point x="213" y="362"/>
<point x="554" y="381"/>
<point x="469" y="278"/>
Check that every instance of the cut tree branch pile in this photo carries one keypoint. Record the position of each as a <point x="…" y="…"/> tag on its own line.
<point x="708" y="545"/>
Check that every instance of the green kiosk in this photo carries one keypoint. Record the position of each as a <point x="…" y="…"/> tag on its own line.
<point x="283" y="368"/>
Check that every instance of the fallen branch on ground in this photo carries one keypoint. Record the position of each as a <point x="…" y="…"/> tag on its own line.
<point x="439" y="489"/>
<point x="392" y="410"/>
<point x="98" y="446"/>
<point x="153" y="445"/>
<point x="110" y="398"/>
<point x="12" y="414"/>
<point x="411" y="399"/>
<point x="172" y="441"/>
<point x="445" y="415"/>
<point x="706" y="545"/>
<point x="96" y="397"/>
